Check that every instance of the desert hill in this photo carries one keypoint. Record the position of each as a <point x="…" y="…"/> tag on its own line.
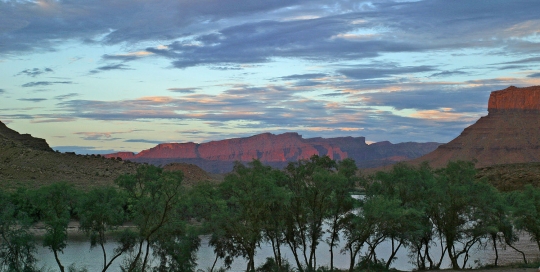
<point x="29" y="161"/>
<point x="277" y="151"/>
<point x="509" y="134"/>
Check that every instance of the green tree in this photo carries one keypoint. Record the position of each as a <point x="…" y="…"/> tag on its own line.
<point x="101" y="211"/>
<point x="17" y="247"/>
<point x="154" y="203"/>
<point x="341" y="183"/>
<point x="55" y="204"/>
<point x="407" y="190"/>
<point x="460" y="211"/>
<point x="249" y="194"/>
<point x="310" y="182"/>
<point x="526" y="211"/>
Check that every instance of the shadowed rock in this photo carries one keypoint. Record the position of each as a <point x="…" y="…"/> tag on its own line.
<point x="510" y="133"/>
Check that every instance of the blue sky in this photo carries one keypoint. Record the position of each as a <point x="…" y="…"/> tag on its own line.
<point x="100" y="76"/>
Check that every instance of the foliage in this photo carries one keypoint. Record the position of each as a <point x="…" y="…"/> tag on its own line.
<point x="310" y="202"/>
<point x="249" y="195"/>
<point x="17" y="247"/>
<point x="154" y="204"/>
<point x="55" y="204"/>
<point x="100" y="212"/>
<point x="526" y="211"/>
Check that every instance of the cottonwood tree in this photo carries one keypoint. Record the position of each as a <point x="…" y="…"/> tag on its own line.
<point x="101" y="211"/>
<point x="526" y="211"/>
<point x="457" y="212"/>
<point x="342" y="183"/>
<point x="17" y="246"/>
<point x="310" y="183"/>
<point x="407" y="190"/>
<point x="249" y="194"/>
<point x="55" y="204"/>
<point x="154" y="197"/>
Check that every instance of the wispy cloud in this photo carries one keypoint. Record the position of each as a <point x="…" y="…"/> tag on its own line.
<point x="83" y="150"/>
<point x="35" y="72"/>
<point x="66" y="96"/>
<point x="145" y="141"/>
<point x="184" y="90"/>
<point x="44" y="83"/>
<point x="370" y="72"/>
<point x="32" y="99"/>
<point x="110" y="67"/>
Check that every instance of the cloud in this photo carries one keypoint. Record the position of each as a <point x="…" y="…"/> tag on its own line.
<point x="44" y="83"/>
<point x="370" y="72"/>
<point x="184" y="90"/>
<point x="101" y="136"/>
<point x="83" y="150"/>
<point x="336" y="94"/>
<point x="534" y="75"/>
<point x="303" y="76"/>
<point x="218" y="33"/>
<point x="107" y="135"/>
<point x="66" y="96"/>
<point x="278" y="108"/>
<point x="522" y="61"/>
<point x="2" y="91"/>
<point x="110" y="67"/>
<point x="32" y="99"/>
<point x="145" y="141"/>
<point x="35" y="72"/>
<point x="448" y="73"/>
<point x="128" y="56"/>
<point x="51" y="119"/>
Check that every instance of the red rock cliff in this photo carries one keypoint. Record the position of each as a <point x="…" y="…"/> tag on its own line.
<point x="513" y="98"/>
<point x="275" y="150"/>
<point x="510" y="133"/>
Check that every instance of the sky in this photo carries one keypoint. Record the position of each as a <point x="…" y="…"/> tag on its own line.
<point x="97" y="76"/>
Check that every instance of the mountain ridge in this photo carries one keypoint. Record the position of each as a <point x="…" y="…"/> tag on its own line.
<point x="277" y="150"/>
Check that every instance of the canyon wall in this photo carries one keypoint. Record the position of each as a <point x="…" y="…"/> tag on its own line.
<point x="277" y="151"/>
<point x="510" y="133"/>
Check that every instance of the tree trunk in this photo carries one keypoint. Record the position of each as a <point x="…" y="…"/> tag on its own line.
<point x="394" y="252"/>
<point x="522" y="253"/>
<point x="134" y="263"/>
<point x="58" y="261"/>
<point x="494" y="239"/>
<point x="453" y="258"/>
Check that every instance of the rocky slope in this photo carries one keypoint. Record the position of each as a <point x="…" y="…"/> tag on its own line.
<point x="277" y="151"/>
<point x="30" y="162"/>
<point x="510" y="133"/>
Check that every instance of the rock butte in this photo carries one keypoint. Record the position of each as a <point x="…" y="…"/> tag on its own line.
<point x="510" y="133"/>
<point x="277" y="151"/>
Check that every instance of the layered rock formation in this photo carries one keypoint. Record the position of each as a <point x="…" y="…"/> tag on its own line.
<point x="510" y="133"/>
<point x="277" y="151"/>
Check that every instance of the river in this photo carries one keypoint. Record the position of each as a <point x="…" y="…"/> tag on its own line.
<point x="79" y="253"/>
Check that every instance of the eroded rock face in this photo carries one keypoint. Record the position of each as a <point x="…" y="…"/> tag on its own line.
<point x="277" y="151"/>
<point x="510" y="133"/>
<point x="513" y="98"/>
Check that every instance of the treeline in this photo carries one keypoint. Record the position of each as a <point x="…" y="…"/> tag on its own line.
<point x="432" y="214"/>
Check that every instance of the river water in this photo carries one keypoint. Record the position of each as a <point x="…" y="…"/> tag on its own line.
<point x="78" y="252"/>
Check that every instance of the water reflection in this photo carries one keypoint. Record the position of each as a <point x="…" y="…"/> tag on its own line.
<point x="78" y="252"/>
